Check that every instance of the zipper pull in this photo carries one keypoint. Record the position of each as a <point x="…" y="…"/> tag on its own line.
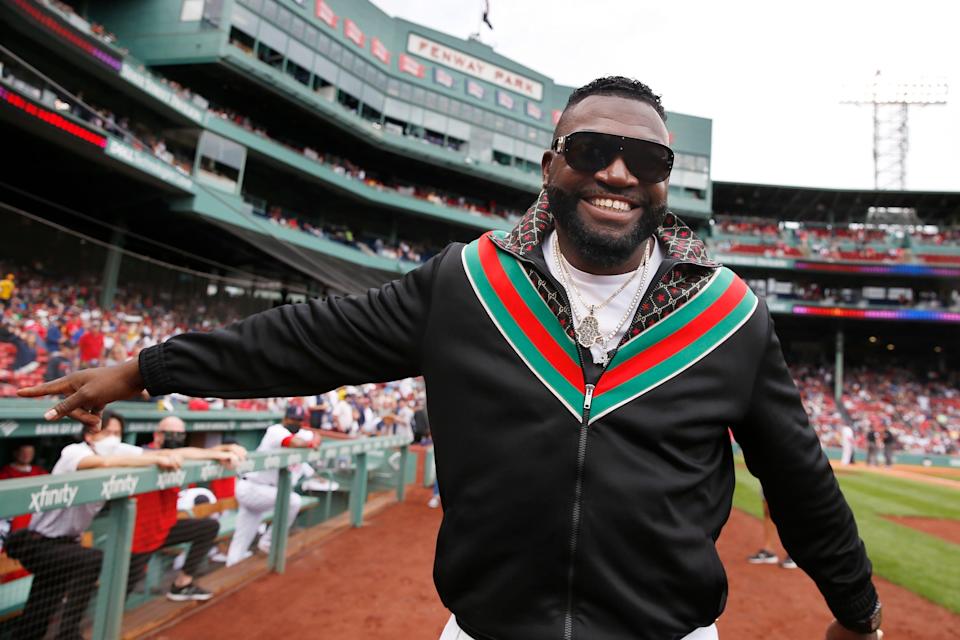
<point x="588" y="397"/>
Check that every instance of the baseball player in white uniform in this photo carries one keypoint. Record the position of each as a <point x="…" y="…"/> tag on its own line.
<point x="257" y="491"/>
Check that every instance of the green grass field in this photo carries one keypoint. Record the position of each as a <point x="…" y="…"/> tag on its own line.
<point x="927" y="565"/>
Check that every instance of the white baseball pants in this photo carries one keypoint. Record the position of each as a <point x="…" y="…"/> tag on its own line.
<point x="255" y="501"/>
<point x="453" y="632"/>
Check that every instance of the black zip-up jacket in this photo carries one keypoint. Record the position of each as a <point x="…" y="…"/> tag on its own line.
<point x="578" y="503"/>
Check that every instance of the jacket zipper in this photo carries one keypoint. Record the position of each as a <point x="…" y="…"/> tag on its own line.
<point x="575" y="513"/>
<point x="581" y="451"/>
<point x="581" y="461"/>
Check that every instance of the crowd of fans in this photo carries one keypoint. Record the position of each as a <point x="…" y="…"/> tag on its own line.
<point x="376" y="180"/>
<point x="921" y="411"/>
<point x="93" y="29"/>
<point x="773" y="239"/>
<point x="367" y="243"/>
<point x="51" y="327"/>
<point x="940" y="237"/>
<point x="806" y="291"/>
<point x="136" y="135"/>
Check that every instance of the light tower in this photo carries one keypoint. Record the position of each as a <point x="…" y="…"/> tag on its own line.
<point x="891" y="99"/>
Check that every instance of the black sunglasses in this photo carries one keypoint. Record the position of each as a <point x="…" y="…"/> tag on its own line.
<point x="590" y="151"/>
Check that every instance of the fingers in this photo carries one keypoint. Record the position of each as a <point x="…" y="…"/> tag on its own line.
<point x="90" y="418"/>
<point x="54" y="387"/>
<point x="67" y="406"/>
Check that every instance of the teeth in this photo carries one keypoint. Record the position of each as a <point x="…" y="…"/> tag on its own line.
<point x="608" y="203"/>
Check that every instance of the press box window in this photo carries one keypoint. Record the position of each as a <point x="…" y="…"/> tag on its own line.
<point x="220" y="162"/>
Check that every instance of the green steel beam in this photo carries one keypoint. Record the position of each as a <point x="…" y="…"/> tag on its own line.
<point x="429" y="468"/>
<point x="402" y="475"/>
<point x="358" y="489"/>
<point x="111" y="269"/>
<point x="277" y="560"/>
<point x="112" y="593"/>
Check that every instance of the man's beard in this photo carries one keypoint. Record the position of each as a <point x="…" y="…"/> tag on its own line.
<point x="601" y="250"/>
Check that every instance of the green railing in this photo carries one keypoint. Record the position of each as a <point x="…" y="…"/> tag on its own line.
<point x="24" y="419"/>
<point x="120" y="486"/>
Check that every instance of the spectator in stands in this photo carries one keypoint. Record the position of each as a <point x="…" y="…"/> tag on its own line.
<point x="257" y="492"/>
<point x="157" y="524"/>
<point x="21" y="467"/>
<point x="26" y="359"/>
<point x="54" y="336"/>
<point x="91" y="345"/>
<point x="7" y="288"/>
<point x="421" y="425"/>
<point x="61" y="362"/>
<point x="345" y="414"/>
<point x="318" y="409"/>
<point x="50" y="548"/>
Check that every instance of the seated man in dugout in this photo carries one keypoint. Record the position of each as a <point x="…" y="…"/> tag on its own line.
<point x="157" y="525"/>
<point x="63" y="570"/>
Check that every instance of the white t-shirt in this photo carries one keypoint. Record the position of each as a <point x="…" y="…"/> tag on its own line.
<point x="72" y="521"/>
<point x="343" y="411"/>
<point x="595" y="289"/>
<point x="271" y="441"/>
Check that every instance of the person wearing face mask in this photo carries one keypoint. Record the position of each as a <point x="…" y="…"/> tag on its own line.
<point x="257" y="491"/>
<point x="157" y="525"/>
<point x="50" y="547"/>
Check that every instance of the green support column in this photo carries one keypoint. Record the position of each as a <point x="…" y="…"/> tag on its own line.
<point x="402" y="482"/>
<point x="278" y="539"/>
<point x="358" y="489"/>
<point x="429" y="468"/>
<point x="111" y="269"/>
<point x="130" y="437"/>
<point x="838" y="368"/>
<point x="112" y="593"/>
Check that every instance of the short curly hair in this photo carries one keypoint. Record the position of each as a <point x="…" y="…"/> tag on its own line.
<point x="619" y="86"/>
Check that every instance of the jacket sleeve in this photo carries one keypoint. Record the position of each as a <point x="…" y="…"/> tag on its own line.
<point x="815" y="523"/>
<point x="301" y="349"/>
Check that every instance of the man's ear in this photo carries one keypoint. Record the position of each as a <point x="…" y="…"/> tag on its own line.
<point x="545" y="161"/>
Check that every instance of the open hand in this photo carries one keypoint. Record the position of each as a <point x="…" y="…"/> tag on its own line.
<point x="87" y="392"/>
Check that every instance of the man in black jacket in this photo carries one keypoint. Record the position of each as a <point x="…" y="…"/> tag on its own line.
<point x="584" y="370"/>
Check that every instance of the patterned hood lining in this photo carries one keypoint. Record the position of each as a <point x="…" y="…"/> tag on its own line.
<point x="691" y="270"/>
<point x="675" y="237"/>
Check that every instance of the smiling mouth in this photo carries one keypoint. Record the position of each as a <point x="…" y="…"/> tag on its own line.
<point x="609" y="204"/>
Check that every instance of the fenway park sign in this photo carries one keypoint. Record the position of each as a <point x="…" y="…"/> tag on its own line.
<point x="464" y="63"/>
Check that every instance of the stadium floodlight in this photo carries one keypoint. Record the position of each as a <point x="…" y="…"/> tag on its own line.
<point x="891" y="98"/>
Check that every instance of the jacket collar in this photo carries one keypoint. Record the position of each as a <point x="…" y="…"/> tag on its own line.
<point x="676" y="239"/>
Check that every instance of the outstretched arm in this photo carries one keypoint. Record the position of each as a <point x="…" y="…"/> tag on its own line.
<point x="298" y="349"/>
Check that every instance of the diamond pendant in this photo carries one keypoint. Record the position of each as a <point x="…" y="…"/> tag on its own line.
<point x="588" y="332"/>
